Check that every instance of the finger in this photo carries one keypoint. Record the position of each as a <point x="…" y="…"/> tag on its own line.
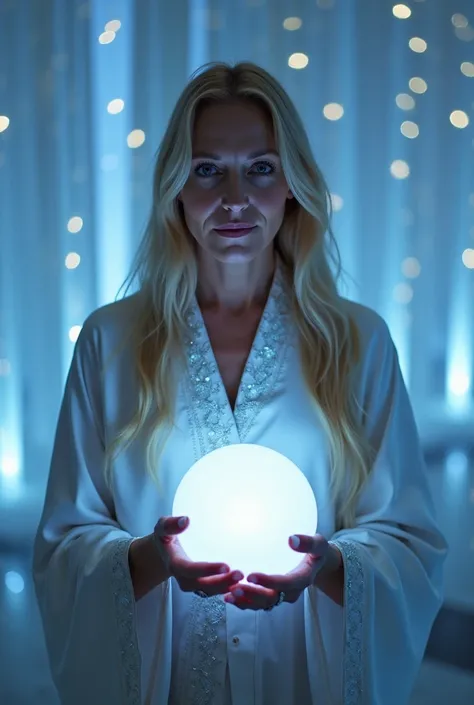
<point x="249" y="597"/>
<point x="297" y="580"/>
<point x="219" y="584"/>
<point x="316" y="545"/>
<point x="193" y="570"/>
<point x="170" y="526"/>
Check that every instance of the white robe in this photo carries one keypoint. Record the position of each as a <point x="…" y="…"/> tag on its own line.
<point x="176" y="648"/>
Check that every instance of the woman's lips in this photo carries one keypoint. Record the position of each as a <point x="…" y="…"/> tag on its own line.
<point x="234" y="232"/>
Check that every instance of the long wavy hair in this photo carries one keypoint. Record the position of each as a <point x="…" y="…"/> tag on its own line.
<point x="165" y="269"/>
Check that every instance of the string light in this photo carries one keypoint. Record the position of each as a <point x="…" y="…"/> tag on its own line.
<point x="135" y="138"/>
<point x="292" y="23"/>
<point x="459" y="21"/>
<point x="333" y="111"/>
<point x="399" y="169"/>
<point x="401" y="12"/>
<point x="467" y="68"/>
<point x="74" y="332"/>
<point x="337" y="202"/>
<point x="72" y="260"/>
<point x="113" y="26"/>
<point x="298" y="61"/>
<point x="115" y="106"/>
<point x="468" y="258"/>
<point x="410" y="129"/>
<point x="75" y="224"/>
<point x="411" y="268"/>
<point x="465" y="34"/>
<point x="418" y="85"/>
<point x="405" y="101"/>
<point x="107" y="37"/>
<point x="418" y="45"/>
<point x="403" y="293"/>
<point x="459" y="119"/>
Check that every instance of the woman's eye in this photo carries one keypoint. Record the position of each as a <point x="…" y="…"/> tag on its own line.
<point x="265" y="165"/>
<point x="200" y="167"/>
<point x="258" y="169"/>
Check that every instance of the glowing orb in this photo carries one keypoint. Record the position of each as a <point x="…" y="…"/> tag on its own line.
<point x="244" y="502"/>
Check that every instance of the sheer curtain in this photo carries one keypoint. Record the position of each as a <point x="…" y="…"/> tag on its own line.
<point x="86" y="89"/>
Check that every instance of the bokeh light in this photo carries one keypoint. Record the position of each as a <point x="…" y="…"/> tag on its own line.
<point x="135" y="138"/>
<point x="467" y="68"/>
<point x="410" y="129"/>
<point x="401" y="12"/>
<point x="418" y="45"/>
<point x="75" y="224"/>
<point x="333" y="111"/>
<point x="72" y="260"/>
<point x="74" y="332"/>
<point x="115" y="106"/>
<point x="418" y="85"/>
<point x="113" y="26"/>
<point x="298" y="61"/>
<point x="292" y="23"/>
<point x="400" y="169"/>
<point x="403" y="293"/>
<point x="459" y="119"/>
<point x="405" y="101"/>
<point x="468" y="258"/>
<point x="411" y="268"/>
<point x="107" y="37"/>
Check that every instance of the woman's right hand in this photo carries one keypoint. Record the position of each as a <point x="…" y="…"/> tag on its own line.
<point x="211" y="578"/>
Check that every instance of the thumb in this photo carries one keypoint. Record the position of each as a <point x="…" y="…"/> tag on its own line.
<point x="307" y="544"/>
<point x="170" y="526"/>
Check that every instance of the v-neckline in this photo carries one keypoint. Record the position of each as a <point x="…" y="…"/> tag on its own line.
<point x="214" y="421"/>
<point x="250" y="355"/>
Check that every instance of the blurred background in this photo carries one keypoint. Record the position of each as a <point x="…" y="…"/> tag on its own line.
<point x="387" y="95"/>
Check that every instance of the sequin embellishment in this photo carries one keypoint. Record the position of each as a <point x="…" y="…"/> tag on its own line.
<point x="215" y="426"/>
<point x="353" y="608"/>
<point x="125" y="611"/>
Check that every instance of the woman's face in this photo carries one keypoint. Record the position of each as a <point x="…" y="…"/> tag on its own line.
<point x="236" y="176"/>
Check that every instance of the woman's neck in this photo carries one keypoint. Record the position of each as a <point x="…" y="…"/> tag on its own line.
<point x="235" y="287"/>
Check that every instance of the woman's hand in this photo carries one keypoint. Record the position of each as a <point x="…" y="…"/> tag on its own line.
<point x="211" y="578"/>
<point x="321" y="557"/>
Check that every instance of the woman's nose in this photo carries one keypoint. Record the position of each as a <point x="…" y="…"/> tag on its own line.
<point x="234" y="196"/>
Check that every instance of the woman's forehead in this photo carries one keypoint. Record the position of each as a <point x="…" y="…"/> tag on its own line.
<point x="221" y="129"/>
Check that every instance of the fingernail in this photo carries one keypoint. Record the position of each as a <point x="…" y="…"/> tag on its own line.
<point x="230" y="599"/>
<point x="252" y="579"/>
<point x="182" y="521"/>
<point x="238" y="592"/>
<point x="295" y="542"/>
<point x="223" y="569"/>
<point x="237" y="575"/>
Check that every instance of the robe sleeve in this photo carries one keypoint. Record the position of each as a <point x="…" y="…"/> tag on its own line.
<point x="393" y="556"/>
<point x="80" y="563"/>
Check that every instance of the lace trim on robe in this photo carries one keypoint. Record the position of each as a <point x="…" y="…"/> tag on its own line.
<point x="261" y="369"/>
<point x="353" y="617"/>
<point x="213" y="425"/>
<point x="125" y="612"/>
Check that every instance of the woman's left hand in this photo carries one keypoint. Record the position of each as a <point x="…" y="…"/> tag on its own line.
<point x="263" y="593"/>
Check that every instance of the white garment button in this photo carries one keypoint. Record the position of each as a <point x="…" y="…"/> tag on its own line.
<point x="235" y="640"/>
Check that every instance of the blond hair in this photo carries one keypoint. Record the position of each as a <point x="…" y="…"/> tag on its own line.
<point x="166" y="270"/>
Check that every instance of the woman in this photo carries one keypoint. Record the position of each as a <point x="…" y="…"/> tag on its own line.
<point x="237" y="334"/>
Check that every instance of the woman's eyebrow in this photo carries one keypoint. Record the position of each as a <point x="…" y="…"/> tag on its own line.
<point x="217" y="157"/>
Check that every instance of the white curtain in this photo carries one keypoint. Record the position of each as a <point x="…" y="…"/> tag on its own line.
<point x="386" y="100"/>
